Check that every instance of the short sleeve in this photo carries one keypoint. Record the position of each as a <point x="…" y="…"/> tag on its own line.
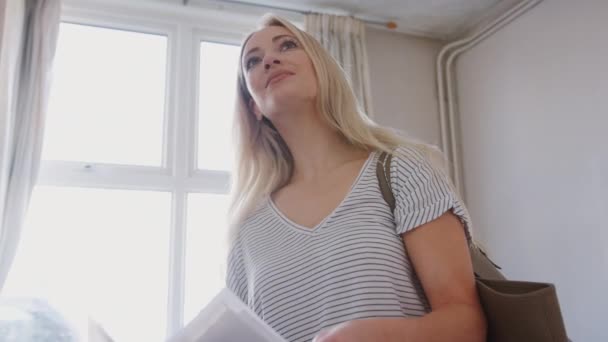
<point x="236" y="276"/>
<point x="423" y="192"/>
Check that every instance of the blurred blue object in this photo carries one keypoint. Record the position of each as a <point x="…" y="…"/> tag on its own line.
<point x="32" y="320"/>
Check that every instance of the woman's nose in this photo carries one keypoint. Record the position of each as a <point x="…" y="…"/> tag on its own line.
<point x="269" y="61"/>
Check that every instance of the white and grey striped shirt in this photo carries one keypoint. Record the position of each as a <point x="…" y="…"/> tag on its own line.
<point x="352" y="265"/>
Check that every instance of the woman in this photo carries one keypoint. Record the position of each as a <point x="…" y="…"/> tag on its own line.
<point x="315" y="250"/>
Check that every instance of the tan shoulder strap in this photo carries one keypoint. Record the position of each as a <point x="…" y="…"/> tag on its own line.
<point x="383" y="172"/>
<point x="482" y="265"/>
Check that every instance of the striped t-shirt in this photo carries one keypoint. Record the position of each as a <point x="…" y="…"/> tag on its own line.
<point x="352" y="265"/>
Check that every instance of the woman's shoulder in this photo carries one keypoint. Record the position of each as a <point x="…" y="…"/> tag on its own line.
<point x="253" y="219"/>
<point x="410" y="152"/>
<point x="416" y="156"/>
<point x="260" y="209"/>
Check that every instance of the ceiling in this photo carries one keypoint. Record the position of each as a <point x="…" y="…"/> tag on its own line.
<point x="440" y="19"/>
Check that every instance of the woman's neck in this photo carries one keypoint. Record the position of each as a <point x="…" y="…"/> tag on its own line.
<point x="316" y="147"/>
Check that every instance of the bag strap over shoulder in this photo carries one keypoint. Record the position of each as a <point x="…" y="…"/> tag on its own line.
<point x="383" y="172"/>
<point x="482" y="265"/>
<point x="516" y="311"/>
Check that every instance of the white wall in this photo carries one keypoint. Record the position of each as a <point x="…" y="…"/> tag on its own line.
<point x="534" y="119"/>
<point x="402" y="77"/>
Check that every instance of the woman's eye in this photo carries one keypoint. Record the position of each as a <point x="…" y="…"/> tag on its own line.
<point x="251" y="62"/>
<point x="288" y="44"/>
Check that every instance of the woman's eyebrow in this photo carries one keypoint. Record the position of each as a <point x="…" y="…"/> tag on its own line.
<point x="274" y="39"/>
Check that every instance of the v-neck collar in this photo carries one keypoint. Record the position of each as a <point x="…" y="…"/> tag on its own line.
<point x="311" y="230"/>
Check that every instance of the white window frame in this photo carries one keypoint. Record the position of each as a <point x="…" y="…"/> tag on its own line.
<point x="185" y="28"/>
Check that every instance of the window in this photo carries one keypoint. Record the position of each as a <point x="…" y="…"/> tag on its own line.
<point x="205" y="245"/>
<point x="128" y="221"/>
<point x="108" y="82"/>
<point x="217" y="91"/>
<point x="99" y="252"/>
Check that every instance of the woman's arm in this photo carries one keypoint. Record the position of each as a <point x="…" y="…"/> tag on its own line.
<point x="440" y="256"/>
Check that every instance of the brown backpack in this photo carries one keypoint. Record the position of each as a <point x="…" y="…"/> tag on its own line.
<point x="516" y="311"/>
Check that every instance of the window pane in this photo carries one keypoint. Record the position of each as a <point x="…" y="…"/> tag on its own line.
<point x="218" y="68"/>
<point x="205" y="250"/>
<point x="107" y="98"/>
<point x="99" y="252"/>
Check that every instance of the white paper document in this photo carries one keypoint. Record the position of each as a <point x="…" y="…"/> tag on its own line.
<point x="226" y="319"/>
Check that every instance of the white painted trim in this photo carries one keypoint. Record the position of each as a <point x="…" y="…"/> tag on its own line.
<point x="115" y="19"/>
<point x="75" y="174"/>
<point x="177" y="262"/>
<point x="58" y="173"/>
<point x="203" y="14"/>
<point x="179" y="160"/>
<point x="193" y="81"/>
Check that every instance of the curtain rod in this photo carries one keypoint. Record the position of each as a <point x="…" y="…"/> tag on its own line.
<point x="390" y="24"/>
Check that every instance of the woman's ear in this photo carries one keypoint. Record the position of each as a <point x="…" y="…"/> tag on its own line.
<point x="256" y="111"/>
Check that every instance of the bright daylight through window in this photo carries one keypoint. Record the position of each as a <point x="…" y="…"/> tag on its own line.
<point x="99" y="240"/>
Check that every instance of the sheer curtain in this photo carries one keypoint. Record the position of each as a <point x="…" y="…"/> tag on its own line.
<point x="29" y="31"/>
<point x="344" y="38"/>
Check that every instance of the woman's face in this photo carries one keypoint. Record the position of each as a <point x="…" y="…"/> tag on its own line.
<point x="278" y="72"/>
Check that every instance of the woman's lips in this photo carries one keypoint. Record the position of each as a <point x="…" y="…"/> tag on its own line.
<point x="278" y="78"/>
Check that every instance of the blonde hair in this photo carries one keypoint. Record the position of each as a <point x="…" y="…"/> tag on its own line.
<point x="263" y="162"/>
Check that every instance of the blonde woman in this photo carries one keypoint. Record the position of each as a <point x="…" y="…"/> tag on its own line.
<point x="315" y="250"/>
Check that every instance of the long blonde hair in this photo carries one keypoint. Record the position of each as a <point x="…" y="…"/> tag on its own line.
<point x="263" y="162"/>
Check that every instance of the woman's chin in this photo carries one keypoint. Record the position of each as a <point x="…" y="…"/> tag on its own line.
<point x="289" y="91"/>
<point x="289" y="101"/>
